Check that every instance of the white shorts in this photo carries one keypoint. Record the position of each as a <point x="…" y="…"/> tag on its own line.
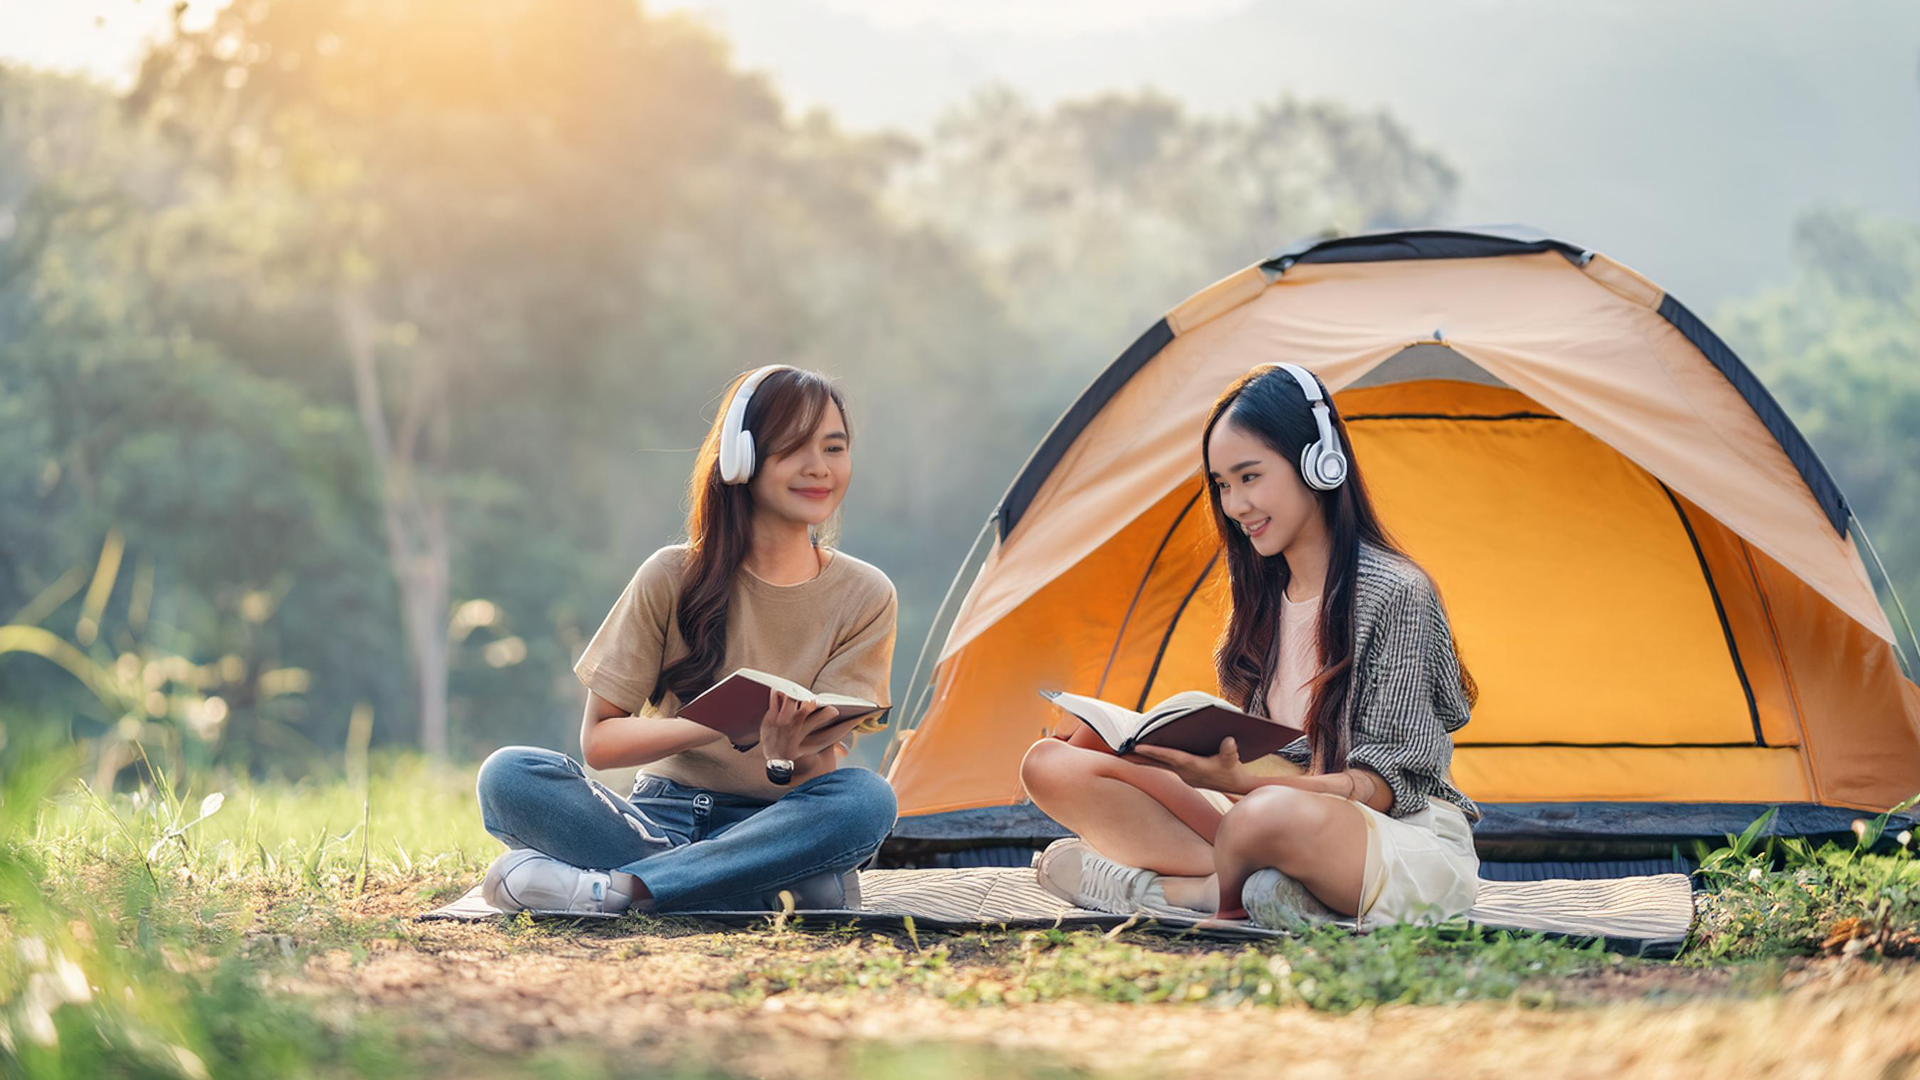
<point x="1420" y="868"/>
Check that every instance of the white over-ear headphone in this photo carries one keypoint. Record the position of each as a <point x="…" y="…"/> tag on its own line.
<point x="736" y="442"/>
<point x="1322" y="464"/>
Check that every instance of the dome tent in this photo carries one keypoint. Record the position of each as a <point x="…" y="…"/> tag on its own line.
<point x="1650" y="573"/>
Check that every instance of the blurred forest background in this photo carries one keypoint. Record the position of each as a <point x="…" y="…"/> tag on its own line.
<point x="353" y="355"/>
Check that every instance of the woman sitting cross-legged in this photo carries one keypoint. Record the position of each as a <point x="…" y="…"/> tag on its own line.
<point x="1333" y="631"/>
<point x="709" y="826"/>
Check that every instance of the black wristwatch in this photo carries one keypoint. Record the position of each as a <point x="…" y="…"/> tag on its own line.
<point x="780" y="770"/>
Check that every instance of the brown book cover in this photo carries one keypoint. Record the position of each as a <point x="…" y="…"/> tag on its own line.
<point x="735" y="705"/>
<point x="1200" y="733"/>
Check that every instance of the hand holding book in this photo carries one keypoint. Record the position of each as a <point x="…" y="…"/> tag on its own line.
<point x="787" y="722"/>
<point x="750" y="706"/>
<point x="1220" y="772"/>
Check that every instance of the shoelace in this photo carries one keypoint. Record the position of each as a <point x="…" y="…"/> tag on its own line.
<point x="1108" y="884"/>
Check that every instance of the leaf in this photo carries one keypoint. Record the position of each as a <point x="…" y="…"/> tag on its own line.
<point x="1746" y="839"/>
<point x="315" y="855"/>
<point x="366" y="834"/>
<point x="210" y="805"/>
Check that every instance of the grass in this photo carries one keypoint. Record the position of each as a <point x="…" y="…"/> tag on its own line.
<point x="1328" y="970"/>
<point x="409" y="821"/>
<point x="142" y="928"/>
<point x="1785" y="897"/>
<point x="222" y="928"/>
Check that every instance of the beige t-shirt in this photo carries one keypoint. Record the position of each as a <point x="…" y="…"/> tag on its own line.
<point x="833" y="634"/>
<point x="1299" y="661"/>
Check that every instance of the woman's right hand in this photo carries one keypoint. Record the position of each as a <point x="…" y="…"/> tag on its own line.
<point x="1222" y="771"/>
<point x="611" y="738"/>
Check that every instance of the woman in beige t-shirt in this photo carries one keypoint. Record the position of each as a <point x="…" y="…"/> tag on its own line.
<point x="708" y="826"/>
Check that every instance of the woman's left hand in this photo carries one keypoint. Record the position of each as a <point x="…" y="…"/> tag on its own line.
<point x="1221" y="772"/>
<point x="822" y="735"/>
<point x="783" y="725"/>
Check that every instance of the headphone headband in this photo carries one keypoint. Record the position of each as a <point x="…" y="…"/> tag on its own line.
<point x="736" y="442"/>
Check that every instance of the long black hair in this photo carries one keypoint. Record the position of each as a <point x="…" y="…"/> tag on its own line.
<point x="1270" y="405"/>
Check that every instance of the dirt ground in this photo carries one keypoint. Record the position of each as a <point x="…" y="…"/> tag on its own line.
<point x="663" y="999"/>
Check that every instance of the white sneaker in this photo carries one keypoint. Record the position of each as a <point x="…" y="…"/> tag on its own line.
<point x="525" y="880"/>
<point x="1071" y="870"/>
<point x="1279" y="902"/>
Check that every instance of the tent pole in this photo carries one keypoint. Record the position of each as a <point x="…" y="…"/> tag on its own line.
<point x="915" y="707"/>
<point x="1867" y="541"/>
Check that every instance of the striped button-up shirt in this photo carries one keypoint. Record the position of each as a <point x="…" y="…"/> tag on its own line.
<point x="1405" y="700"/>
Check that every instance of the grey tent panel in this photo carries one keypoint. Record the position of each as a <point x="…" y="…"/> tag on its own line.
<point x="1477" y="242"/>
<point x="1514" y="830"/>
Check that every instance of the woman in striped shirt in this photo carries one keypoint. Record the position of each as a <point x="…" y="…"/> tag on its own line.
<point x="1332" y="630"/>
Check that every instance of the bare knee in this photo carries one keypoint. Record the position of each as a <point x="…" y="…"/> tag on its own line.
<point x="1048" y="768"/>
<point x="1272" y="825"/>
<point x="1274" y="804"/>
<point x="1054" y="770"/>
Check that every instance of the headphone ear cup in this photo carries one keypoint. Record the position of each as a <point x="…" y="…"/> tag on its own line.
<point x="746" y="463"/>
<point x="1331" y="466"/>
<point x="1322" y="468"/>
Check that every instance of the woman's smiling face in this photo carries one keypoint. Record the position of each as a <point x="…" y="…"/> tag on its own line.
<point x="808" y="483"/>
<point x="1260" y="491"/>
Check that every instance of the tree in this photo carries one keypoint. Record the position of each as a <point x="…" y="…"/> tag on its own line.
<point x="1095" y="217"/>
<point x="168" y="512"/>
<point x="423" y="167"/>
<point x="1840" y="348"/>
<point x="535" y="239"/>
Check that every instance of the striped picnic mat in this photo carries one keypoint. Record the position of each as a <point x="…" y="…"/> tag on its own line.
<point x="1646" y="915"/>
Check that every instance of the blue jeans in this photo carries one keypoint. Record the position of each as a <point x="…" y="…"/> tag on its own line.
<point x="692" y="849"/>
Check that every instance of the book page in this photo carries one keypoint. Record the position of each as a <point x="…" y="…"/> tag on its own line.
<point x="1115" y="724"/>
<point x="1180" y="704"/>
<point x="1196" y="722"/>
<point x="845" y="702"/>
<point x="800" y="693"/>
<point x="786" y="686"/>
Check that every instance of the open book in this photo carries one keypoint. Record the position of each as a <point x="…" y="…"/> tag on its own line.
<point x="1192" y="720"/>
<point x="735" y="705"/>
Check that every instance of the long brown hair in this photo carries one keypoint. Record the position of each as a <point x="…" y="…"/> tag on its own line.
<point x="1269" y="405"/>
<point x="785" y="409"/>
